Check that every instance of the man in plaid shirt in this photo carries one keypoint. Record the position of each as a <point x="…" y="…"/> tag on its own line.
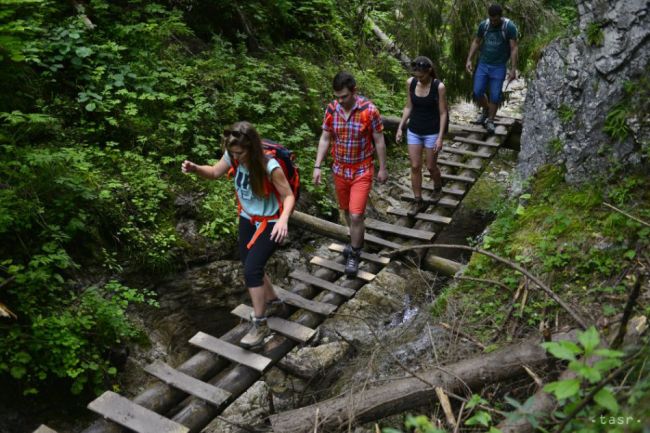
<point x="352" y="123"/>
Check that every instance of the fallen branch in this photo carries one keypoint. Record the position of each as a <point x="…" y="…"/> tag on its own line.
<point x="483" y="280"/>
<point x="640" y="221"/>
<point x="462" y="334"/>
<point x="627" y="312"/>
<point x="409" y="393"/>
<point x="499" y="259"/>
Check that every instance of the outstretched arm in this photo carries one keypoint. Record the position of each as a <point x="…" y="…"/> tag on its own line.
<point x="206" y="171"/>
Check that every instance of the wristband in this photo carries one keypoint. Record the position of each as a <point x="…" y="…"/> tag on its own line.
<point x="317" y="166"/>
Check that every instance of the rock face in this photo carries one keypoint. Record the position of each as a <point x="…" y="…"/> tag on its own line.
<point x="577" y="83"/>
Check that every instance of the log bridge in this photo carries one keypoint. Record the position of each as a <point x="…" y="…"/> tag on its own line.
<point x="186" y="398"/>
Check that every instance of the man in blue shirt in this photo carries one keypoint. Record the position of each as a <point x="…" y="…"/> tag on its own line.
<point x="497" y="39"/>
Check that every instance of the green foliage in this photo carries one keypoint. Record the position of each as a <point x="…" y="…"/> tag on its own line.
<point x="418" y="423"/>
<point x="556" y="145"/>
<point x="595" y="34"/>
<point x="566" y="113"/>
<point x="616" y="122"/>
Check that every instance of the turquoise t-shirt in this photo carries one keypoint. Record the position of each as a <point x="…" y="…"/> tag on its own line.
<point x="252" y="204"/>
<point x="494" y="49"/>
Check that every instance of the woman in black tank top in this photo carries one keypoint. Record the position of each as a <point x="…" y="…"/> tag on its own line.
<point x="426" y="112"/>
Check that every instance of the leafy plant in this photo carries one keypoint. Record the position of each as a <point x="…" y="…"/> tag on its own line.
<point x="616" y="122"/>
<point x="595" y="34"/>
<point x="566" y="113"/>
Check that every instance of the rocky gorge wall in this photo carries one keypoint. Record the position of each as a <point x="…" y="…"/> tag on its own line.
<point x="576" y="85"/>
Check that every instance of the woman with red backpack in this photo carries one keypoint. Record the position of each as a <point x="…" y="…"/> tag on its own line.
<point x="265" y="201"/>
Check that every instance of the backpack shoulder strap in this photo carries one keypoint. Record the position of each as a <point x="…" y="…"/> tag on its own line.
<point x="485" y="27"/>
<point x="504" y="28"/>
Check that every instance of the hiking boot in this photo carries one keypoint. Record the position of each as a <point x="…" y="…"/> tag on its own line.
<point x="352" y="263"/>
<point x="276" y="307"/>
<point x="347" y="251"/>
<point x="436" y="195"/>
<point x="482" y="117"/>
<point x="489" y="125"/>
<point x="258" y="331"/>
<point x="419" y="205"/>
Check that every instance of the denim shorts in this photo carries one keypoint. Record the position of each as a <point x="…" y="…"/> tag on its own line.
<point x="492" y="77"/>
<point x="429" y="141"/>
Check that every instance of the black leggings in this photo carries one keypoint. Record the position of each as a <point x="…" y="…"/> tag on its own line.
<point x="254" y="259"/>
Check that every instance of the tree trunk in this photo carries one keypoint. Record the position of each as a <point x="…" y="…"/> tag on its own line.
<point x="361" y="405"/>
<point x="389" y="45"/>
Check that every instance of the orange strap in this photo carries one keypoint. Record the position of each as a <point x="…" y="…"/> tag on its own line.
<point x="260" y="229"/>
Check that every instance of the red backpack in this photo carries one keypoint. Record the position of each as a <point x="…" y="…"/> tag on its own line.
<point x="286" y="160"/>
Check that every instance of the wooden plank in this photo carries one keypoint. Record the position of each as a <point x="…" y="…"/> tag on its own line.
<point x="306" y="304"/>
<point x="465" y="179"/>
<point x="445" y="190"/>
<point x="381" y="226"/>
<point x="446" y="202"/>
<point x="189" y="384"/>
<point x="481" y="130"/>
<point x="465" y="152"/>
<point x="338" y="267"/>
<point x="322" y="284"/>
<point x="477" y="142"/>
<point x="421" y="216"/>
<point x="293" y="330"/>
<point x="130" y="415"/>
<point x="230" y="351"/>
<point x="457" y="164"/>
<point x="44" y="429"/>
<point x="365" y="256"/>
<point x="381" y="242"/>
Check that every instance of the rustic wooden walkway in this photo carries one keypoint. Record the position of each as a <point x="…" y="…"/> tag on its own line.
<point x="188" y="397"/>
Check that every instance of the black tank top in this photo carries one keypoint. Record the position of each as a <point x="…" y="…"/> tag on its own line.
<point x="425" y="114"/>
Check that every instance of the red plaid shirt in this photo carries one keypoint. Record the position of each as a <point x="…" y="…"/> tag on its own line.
<point x="352" y="147"/>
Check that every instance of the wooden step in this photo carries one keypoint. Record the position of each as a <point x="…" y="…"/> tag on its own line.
<point x="446" y="202"/>
<point x="458" y="178"/>
<point x="464" y="152"/>
<point x="420" y="216"/>
<point x="322" y="284"/>
<point x="293" y="330"/>
<point x="445" y="190"/>
<point x="406" y="232"/>
<point x="338" y="267"/>
<point x="44" y="429"/>
<point x="500" y="130"/>
<point x="188" y="384"/>
<point x="381" y="242"/>
<point x="457" y="164"/>
<point x="130" y="415"/>
<point x="365" y="256"/>
<point x="306" y="304"/>
<point x="230" y="351"/>
<point x="477" y="142"/>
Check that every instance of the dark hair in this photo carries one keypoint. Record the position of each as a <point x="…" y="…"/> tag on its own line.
<point x="344" y="80"/>
<point x="250" y="142"/>
<point x="495" y="10"/>
<point x="424" y="59"/>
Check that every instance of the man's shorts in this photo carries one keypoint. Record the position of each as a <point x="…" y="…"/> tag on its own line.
<point x="429" y="141"/>
<point x="353" y="194"/>
<point x="492" y="76"/>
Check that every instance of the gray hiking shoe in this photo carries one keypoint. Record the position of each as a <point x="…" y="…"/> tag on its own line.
<point x="258" y="331"/>
<point x="482" y="117"/>
<point x="489" y="125"/>
<point x="352" y="263"/>
<point x="276" y="307"/>
<point x="419" y="205"/>
<point x="436" y="195"/>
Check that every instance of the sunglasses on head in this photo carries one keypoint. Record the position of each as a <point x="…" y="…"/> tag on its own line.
<point x="234" y="133"/>
<point x="420" y="65"/>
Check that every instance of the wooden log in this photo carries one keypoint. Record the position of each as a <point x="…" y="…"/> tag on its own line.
<point x="322" y="284"/>
<point x="307" y="304"/>
<point x="368" y="404"/>
<point x="364" y="255"/>
<point x="318" y="225"/>
<point x="389" y="45"/>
